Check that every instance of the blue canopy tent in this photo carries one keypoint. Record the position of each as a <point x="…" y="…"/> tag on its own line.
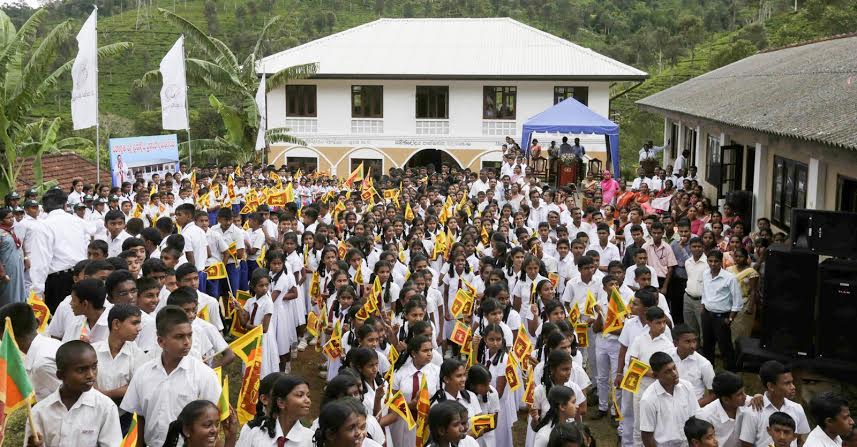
<point x="570" y="116"/>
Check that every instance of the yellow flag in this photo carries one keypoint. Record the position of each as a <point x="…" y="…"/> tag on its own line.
<point x="40" y="309"/>
<point x="634" y="376"/>
<point x="409" y="212"/>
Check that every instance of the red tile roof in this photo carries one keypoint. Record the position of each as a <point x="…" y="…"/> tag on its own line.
<point x="60" y="167"/>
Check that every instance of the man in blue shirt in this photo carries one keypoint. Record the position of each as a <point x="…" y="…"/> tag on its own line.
<point x="721" y="301"/>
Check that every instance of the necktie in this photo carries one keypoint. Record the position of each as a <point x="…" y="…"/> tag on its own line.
<point x="253" y="313"/>
<point x="416" y="385"/>
<point x="281" y="441"/>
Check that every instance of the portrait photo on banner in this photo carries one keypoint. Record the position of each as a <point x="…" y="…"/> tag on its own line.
<point x="147" y="155"/>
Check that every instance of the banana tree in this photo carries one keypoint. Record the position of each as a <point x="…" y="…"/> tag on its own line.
<point x="234" y="83"/>
<point x="26" y="75"/>
<point x="40" y="138"/>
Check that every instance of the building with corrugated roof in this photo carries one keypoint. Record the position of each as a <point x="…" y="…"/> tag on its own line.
<point x="781" y="124"/>
<point x="409" y="92"/>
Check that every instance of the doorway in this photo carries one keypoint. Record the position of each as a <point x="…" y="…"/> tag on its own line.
<point x="847" y="192"/>
<point x="434" y="157"/>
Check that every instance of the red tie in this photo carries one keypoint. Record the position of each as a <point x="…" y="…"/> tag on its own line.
<point x="253" y="314"/>
<point x="416" y="385"/>
<point x="281" y="441"/>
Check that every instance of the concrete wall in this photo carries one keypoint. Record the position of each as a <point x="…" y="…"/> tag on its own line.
<point x="332" y="140"/>
<point x="825" y="163"/>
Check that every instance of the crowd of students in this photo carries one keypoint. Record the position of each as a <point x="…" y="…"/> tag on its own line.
<point x="138" y="325"/>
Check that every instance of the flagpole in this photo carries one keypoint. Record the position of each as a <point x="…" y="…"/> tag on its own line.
<point x="187" y="109"/>
<point x="97" y="119"/>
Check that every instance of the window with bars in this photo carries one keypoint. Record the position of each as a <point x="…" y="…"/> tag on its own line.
<point x="789" y="191"/>
<point x="367" y="101"/>
<point x="432" y="102"/>
<point x="499" y="103"/>
<point x="300" y="100"/>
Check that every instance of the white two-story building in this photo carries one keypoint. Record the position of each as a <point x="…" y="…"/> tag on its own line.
<point x="409" y="92"/>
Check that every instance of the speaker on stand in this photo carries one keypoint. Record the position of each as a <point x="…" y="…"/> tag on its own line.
<point x="837" y="309"/>
<point x="788" y="309"/>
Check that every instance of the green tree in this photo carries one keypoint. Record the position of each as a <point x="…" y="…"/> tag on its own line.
<point x="26" y="61"/>
<point x="740" y="49"/>
<point x="691" y="32"/>
<point x="234" y="86"/>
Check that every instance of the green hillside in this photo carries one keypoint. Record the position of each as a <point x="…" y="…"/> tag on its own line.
<point x="673" y="40"/>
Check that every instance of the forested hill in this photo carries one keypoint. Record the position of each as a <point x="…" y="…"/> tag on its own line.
<point x="673" y="40"/>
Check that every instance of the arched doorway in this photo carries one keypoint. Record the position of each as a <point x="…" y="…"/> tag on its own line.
<point x="434" y="157"/>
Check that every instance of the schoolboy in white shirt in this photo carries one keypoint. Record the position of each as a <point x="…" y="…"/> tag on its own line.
<point x="655" y="339"/>
<point x="693" y="367"/>
<point x="186" y="276"/>
<point x="779" y="389"/>
<point x="89" y="299"/>
<point x="40" y="351"/>
<point x="76" y="414"/>
<point x="730" y="400"/>
<point x="208" y="342"/>
<point x="834" y="421"/>
<point x="666" y="405"/>
<point x="162" y="387"/>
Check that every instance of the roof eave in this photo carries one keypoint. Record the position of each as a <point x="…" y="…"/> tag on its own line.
<point x="656" y="109"/>
<point x="479" y="77"/>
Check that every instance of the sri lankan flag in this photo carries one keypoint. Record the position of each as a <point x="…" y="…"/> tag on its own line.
<point x="15" y="386"/>
<point x="409" y="213"/>
<point x="513" y="380"/>
<point x="399" y="405"/>
<point x="43" y="314"/>
<point x="216" y="271"/>
<point x="589" y="309"/>
<point x="423" y="406"/>
<point x="130" y="440"/>
<point x="249" y="349"/>
<point x="522" y="346"/>
<point x="356" y="175"/>
<point x="245" y="346"/>
<point x="615" y="312"/>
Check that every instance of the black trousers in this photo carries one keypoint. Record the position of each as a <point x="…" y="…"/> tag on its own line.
<point x="716" y="331"/>
<point x="57" y="287"/>
<point x="675" y="298"/>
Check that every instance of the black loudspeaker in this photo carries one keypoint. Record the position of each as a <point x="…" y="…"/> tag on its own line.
<point x="788" y="311"/>
<point x="837" y="309"/>
<point x="829" y="233"/>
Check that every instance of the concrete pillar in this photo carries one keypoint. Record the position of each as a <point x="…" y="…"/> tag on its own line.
<point x="700" y="152"/>
<point x="816" y="180"/>
<point x="667" y="132"/>
<point x="761" y="181"/>
<point x="679" y="143"/>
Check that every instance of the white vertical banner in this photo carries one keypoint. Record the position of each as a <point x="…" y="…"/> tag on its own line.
<point x="84" y="76"/>
<point x="262" y="105"/>
<point x="174" y="90"/>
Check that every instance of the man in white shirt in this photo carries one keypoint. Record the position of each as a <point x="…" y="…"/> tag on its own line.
<point x="607" y="251"/>
<point x="480" y="185"/>
<point x="693" y="367"/>
<point x="695" y="265"/>
<point x="779" y="389"/>
<point x="538" y="210"/>
<point x="34" y="236"/>
<point x="724" y="410"/>
<point x="834" y="421"/>
<point x="196" y="244"/>
<point x="666" y="405"/>
<point x="721" y="301"/>
<point x="66" y="241"/>
<point x="650" y="151"/>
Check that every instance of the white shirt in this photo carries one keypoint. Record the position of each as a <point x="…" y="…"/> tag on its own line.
<point x="255" y="239"/>
<point x="664" y="414"/>
<point x="114" y="245"/>
<point x="694" y="275"/>
<point x="97" y="332"/>
<point x="606" y="254"/>
<point x="214" y="318"/>
<point x="818" y="438"/>
<point x="63" y="318"/>
<point x="41" y="365"/>
<point x="299" y="436"/>
<point x="115" y="372"/>
<point x="696" y="370"/>
<point x="67" y="242"/>
<point x="160" y="397"/>
<point x="196" y="242"/>
<point x="34" y="236"/>
<point x="753" y="425"/>
<point x="644" y="345"/>
<point x="91" y="421"/>
<point x="724" y="426"/>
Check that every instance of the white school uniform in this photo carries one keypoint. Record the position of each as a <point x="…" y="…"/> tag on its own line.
<point x="490" y="404"/>
<point x="40" y="363"/>
<point x="92" y="421"/>
<point x="204" y="299"/>
<point x="403" y="381"/>
<point x="98" y="332"/>
<point x="508" y="412"/>
<point x="753" y="425"/>
<point x="298" y="436"/>
<point x="333" y="318"/>
<point x="160" y="397"/>
<point x="540" y="402"/>
<point x="282" y="323"/>
<point x="116" y="372"/>
<point x="63" y="318"/>
<point x="297" y="307"/>
<point x="258" y="308"/>
<point x="664" y="414"/>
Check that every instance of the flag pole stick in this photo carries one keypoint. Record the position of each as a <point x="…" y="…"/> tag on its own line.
<point x="187" y="109"/>
<point x="97" y="119"/>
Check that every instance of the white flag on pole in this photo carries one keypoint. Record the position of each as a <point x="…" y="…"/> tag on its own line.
<point x="84" y="76"/>
<point x="174" y="90"/>
<point x="261" y="104"/>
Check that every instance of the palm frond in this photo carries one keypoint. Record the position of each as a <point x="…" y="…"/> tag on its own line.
<point x="23" y="38"/>
<point x="42" y="58"/>
<point x="193" y="34"/>
<point x="281" y="135"/>
<point x="262" y="35"/>
<point x="75" y="143"/>
<point x="285" y="75"/>
<point x="149" y="77"/>
<point x="228" y="56"/>
<point x="211" y="75"/>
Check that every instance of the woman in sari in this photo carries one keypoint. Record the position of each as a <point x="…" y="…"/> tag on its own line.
<point x="748" y="280"/>
<point x="11" y="261"/>
<point x="609" y="187"/>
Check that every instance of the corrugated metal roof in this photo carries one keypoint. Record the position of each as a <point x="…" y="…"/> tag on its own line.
<point x="806" y="92"/>
<point x="450" y="48"/>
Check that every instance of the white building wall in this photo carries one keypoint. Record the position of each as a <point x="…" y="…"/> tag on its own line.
<point x="465" y="104"/>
